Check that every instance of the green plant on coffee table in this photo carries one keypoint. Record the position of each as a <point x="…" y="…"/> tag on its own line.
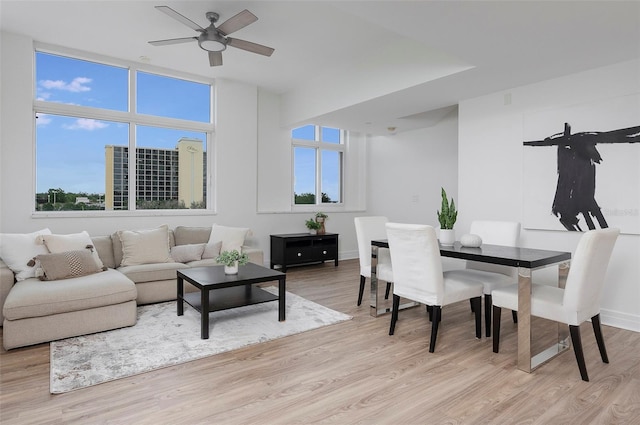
<point x="321" y="215"/>
<point x="312" y="224"/>
<point x="229" y="258"/>
<point x="448" y="214"/>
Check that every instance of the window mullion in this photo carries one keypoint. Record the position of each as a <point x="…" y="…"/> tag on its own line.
<point x="318" y="176"/>
<point x="133" y="170"/>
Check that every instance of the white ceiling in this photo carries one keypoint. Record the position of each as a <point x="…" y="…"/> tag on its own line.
<point x="363" y="65"/>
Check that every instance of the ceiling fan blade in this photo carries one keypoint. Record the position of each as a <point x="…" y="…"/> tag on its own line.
<point x="215" y="58"/>
<point x="178" y="17"/>
<point x="172" y="41"/>
<point x="250" y="47"/>
<point x="237" y="22"/>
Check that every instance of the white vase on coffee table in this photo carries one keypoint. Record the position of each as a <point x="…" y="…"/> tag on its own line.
<point x="231" y="269"/>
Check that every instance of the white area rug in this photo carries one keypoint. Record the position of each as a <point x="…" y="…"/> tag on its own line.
<point x="161" y="338"/>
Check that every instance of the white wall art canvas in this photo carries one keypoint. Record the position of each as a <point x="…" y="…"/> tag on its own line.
<point x="582" y="166"/>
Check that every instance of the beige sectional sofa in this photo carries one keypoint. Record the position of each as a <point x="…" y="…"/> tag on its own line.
<point x="36" y="311"/>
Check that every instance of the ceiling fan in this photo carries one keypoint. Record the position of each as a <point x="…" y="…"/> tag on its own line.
<point x="214" y="39"/>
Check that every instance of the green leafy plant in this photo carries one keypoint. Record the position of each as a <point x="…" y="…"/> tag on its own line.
<point x="312" y="224"/>
<point x="447" y="214"/>
<point x="321" y="215"/>
<point x="229" y="258"/>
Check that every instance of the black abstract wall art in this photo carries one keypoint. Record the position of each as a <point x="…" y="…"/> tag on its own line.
<point x="577" y="160"/>
<point x="581" y="166"/>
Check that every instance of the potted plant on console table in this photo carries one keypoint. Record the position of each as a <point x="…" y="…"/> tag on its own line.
<point x="447" y="216"/>
<point x="312" y="225"/>
<point x="231" y="260"/>
<point x="321" y="218"/>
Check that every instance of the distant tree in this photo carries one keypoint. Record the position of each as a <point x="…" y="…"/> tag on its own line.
<point x="305" y="198"/>
<point x="310" y="198"/>
<point x="165" y="204"/>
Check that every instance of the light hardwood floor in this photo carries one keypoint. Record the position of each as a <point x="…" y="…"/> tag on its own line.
<point x="348" y="373"/>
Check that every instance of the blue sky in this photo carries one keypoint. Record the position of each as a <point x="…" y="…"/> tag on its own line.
<point x="70" y="151"/>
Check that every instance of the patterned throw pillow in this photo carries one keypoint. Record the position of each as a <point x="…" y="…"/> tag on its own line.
<point x="65" y="265"/>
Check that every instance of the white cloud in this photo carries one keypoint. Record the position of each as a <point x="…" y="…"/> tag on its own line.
<point x="79" y="84"/>
<point x="86" y="124"/>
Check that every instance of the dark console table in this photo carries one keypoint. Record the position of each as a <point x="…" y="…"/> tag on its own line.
<point x="303" y="248"/>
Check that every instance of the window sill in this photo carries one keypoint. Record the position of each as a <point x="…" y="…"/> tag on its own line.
<point x="115" y="214"/>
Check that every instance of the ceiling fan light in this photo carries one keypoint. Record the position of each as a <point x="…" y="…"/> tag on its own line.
<point x="212" y="42"/>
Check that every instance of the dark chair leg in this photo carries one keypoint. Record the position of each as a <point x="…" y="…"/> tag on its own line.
<point x="362" y="280"/>
<point x="471" y="304"/>
<point x="477" y="309"/>
<point x="437" y="312"/>
<point x="487" y="314"/>
<point x="576" y="340"/>
<point x="430" y="311"/>
<point x="597" y="330"/>
<point x="386" y="293"/>
<point x="497" y="312"/>
<point x="514" y="314"/>
<point x="394" y="314"/>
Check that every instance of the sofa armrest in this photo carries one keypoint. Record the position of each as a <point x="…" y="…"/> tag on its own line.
<point x="256" y="255"/>
<point x="6" y="283"/>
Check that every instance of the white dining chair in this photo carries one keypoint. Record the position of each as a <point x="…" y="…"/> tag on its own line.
<point x="418" y="276"/>
<point x="492" y="276"/>
<point x="578" y="302"/>
<point x="368" y="229"/>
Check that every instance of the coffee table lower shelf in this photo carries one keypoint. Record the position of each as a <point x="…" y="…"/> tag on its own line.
<point x="226" y="298"/>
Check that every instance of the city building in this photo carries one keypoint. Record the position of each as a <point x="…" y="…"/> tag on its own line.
<point x="162" y="174"/>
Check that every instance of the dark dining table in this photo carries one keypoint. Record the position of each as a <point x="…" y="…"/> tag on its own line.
<point x="525" y="260"/>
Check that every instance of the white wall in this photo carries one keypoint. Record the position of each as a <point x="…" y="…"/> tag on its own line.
<point x="407" y="170"/>
<point x="490" y="172"/>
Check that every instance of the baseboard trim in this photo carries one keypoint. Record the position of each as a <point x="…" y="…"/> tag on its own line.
<point x="620" y="320"/>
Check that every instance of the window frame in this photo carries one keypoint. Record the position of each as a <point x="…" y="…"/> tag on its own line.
<point x="132" y="119"/>
<point x="319" y="146"/>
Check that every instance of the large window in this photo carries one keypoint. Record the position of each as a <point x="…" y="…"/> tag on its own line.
<point x="318" y="158"/>
<point x="112" y="137"/>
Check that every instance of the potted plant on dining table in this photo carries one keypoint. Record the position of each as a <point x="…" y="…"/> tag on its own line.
<point x="447" y="216"/>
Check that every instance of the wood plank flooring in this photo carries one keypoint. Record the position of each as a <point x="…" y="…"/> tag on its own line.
<point x="349" y="373"/>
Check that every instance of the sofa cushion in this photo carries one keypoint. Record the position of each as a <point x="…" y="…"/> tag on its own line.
<point x="231" y="237"/>
<point x="185" y="235"/>
<point x="211" y="250"/>
<point x="203" y="263"/>
<point x="72" y="242"/>
<point x="104" y="247"/>
<point x="65" y="265"/>
<point x="35" y="298"/>
<point x="152" y="272"/>
<point x="146" y="246"/>
<point x="117" y="247"/>
<point x="18" y="249"/>
<point x="188" y="252"/>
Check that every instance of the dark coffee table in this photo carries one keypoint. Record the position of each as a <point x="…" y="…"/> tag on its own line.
<point x="220" y="291"/>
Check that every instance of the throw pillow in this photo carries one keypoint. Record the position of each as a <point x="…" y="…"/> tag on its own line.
<point x="73" y="242"/>
<point x="186" y="253"/>
<point x="211" y="250"/>
<point x="188" y="234"/>
<point x="231" y="237"/>
<point x="18" y="249"/>
<point x="145" y="246"/>
<point x="65" y="265"/>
